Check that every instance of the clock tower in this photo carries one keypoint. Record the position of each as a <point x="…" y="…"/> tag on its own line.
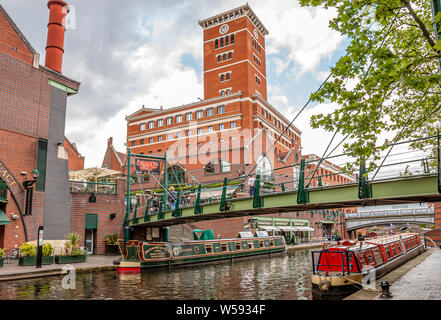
<point x="234" y="54"/>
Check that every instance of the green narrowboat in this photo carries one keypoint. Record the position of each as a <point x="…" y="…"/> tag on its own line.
<point x="143" y="255"/>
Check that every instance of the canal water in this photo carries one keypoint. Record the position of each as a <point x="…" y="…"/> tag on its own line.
<point x="283" y="277"/>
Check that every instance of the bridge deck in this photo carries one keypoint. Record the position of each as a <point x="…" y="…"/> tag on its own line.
<point x="394" y="191"/>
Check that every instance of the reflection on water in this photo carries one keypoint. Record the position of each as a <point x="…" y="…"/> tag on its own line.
<point x="285" y="277"/>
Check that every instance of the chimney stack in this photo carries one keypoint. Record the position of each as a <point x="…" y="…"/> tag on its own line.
<point x="55" y="36"/>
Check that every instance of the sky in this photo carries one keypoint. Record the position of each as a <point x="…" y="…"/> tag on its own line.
<point x="150" y="53"/>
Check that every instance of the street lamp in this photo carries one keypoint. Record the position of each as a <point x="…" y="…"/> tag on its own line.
<point x="28" y="185"/>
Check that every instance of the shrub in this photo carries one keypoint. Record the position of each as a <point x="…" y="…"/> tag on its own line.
<point x="28" y="250"/>
<point x="47" y="249"/>
<point x="2" y="253"/>
<point x="77" y="252"/>
<point x="111" y="239"/>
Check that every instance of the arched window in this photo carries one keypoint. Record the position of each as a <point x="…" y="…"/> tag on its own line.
<point x="175" y="175"/>
<point x="209" y="168"/>
<point x="264" y="168"/>
<point x="216" y="43"/>
<point x="225" y="166"/>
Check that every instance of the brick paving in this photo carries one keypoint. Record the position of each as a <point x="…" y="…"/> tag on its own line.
<point x="15" y="272"/>
<point x="422" y="282"/>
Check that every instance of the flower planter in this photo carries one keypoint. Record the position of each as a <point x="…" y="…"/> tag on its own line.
<point x="112" y="250"/>
<point x="70" y="259"/>
<point x="32" y="261"/>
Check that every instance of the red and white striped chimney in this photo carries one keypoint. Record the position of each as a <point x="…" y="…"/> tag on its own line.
<point x="55" y="35"/>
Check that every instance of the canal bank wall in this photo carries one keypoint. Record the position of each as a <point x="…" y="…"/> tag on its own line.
<point x="392" y="277"/>
<point x="11" y="272"/>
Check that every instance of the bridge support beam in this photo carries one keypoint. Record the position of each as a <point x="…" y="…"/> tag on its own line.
<point x="197" y="206"/>
<point x="146" y="214"/>
<point x="302" y="195"/>
<point x="257" y="201"/>
<point x="178" y="211"/>
<point x="364" y="188"/>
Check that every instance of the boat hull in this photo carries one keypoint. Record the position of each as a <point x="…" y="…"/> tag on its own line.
<point x="337" y="286"/>
<point x="140" y="255"/>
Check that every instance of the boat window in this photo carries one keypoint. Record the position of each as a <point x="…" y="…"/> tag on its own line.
<point x="394" y="251"/>
<point x="399" y="247"/>
<point x="261" y="244"/>
<point x="224" y="247"/>
<point x="250" y="245"/>
<point x="271" y="243"/>
<point x="388" y="252"/>
<point x="377" y="256"/>
<point x="370" y="258"/>
<point x="209" y="248"/>
<point x="238" y="246"/>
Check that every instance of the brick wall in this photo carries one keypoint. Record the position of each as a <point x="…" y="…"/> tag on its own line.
<point x="103" y="207"/>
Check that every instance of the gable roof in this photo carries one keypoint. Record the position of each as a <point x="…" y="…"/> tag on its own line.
<point x="14" y="26"/>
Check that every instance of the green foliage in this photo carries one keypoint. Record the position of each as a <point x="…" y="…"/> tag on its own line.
<point x="28" y="250"/>
<point x="397" y="37"/>
<point x="47" y="249"/>
<point x="77" y="252"/>
<point x="111" y="239"/>
<point x="72" y="243"/>
<point x="2" y="253"/>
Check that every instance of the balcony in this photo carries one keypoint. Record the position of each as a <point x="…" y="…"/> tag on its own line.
<point x="92" y="187"/>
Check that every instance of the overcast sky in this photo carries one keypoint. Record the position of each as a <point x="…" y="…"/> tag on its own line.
<point x="149" y="52"/>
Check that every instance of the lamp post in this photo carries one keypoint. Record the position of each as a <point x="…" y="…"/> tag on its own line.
<point x="28" y="185"/>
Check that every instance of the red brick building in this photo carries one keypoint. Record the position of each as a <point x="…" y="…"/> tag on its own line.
<point x="113" y="159"/>
<point x="233" y="132"/>
<point x="75" y="160"/>
<point x="32" y="118"/>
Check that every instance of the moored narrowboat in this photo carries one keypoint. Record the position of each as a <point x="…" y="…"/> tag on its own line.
<point x="143" y="255"/>
<point x="343" y="268"/>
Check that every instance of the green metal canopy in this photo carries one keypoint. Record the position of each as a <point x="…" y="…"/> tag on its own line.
<point x="91" y="221"/>
<point x="4" y="220"/>
<point x="326" y="222"/>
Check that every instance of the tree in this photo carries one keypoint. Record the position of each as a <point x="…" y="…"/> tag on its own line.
<point x="389" y="77"/>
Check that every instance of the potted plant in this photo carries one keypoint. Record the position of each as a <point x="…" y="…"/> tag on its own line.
<point x="111" y="241"/>
<point x="2" y="254"/>
<point x="47" y="250"/>
<point x="72" y="251"/>
<point x="28" y="253"/>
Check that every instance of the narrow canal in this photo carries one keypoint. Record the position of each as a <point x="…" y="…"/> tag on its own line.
<point x="285" y="277"/>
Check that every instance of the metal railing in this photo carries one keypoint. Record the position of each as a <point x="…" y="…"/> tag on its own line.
<point x="316" y="266"/>
<point x="92" y="187"/>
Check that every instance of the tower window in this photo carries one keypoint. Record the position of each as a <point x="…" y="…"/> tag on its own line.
<point x="221" y="42"/>
<point x="222" y="77"/>
<point x="227" y="39"/>
<point x="227" y="76"/>
<point x="219" y="58"/>
<point x="216" y="43"/>
<point x="224" y="57"/>
<point x="232" y="38"/>
<point x="230" y="55"/>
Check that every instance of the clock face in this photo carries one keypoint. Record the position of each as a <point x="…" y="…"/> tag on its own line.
<point x="224" y="29"/>
<point x="256" y="34"/>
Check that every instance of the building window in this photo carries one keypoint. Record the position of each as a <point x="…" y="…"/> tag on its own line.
<point x="225" y="166"/>
<point x="199" y="114"/>
<point x="169" y="136"/>
<point x="179" y="119"/>
<point x="219" y="58"/>
<point x="227" y="92"/>
<point x="188" y="133"/>
<point x="209" y="112"/>
<point x="159" y="138"/>
<point x="222" y="93"/>
<point x="199" y="131"/>
<point x="151" y="125"/>
<point x="221" y="109"/>
<point x="232" y="38"/>
<point x="150" y="140"/>
<point x="41" y="164"/>
<point x="258" y="80"/>
<point x="209" y="168"/>
<point x="230" y="55"/>
<point x="141" y="142"/>
<point x="221" y="127"/>
<point x="227" y="76"/>
<point x="189" y="117"/>
<point x="160" y="123"/>
<point x="221" y="42"/>
<point x="216" y="43"/>
<point x="169" y="121"/>
<point x="179" y="135"/>
<point x="222" y="77"/>
<point x="133" y="143"/>
<point x="233" y="124"/>
<point x="227" y="40"/>
<point x="224" y="57"/>
<point x="210" y="129"/>
<point x="141" y="126"/>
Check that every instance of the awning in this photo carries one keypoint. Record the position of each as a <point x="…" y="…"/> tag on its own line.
<point x="304" y="228"/>
<point x="326" y="222"/>
<point x="91" y="221"/>
<point x="287" y="228"/>
<point x="269" y="228"/>
<point x="4" y="220"/>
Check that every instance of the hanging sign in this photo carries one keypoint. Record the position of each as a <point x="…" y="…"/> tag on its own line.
<point x="147" y="166"/>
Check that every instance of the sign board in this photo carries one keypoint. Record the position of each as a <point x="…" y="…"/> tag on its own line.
<point x="148" y="166"/>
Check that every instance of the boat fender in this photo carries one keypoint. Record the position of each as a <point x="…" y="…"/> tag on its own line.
<point x="325" y="285"/>
<point x="116" y="262"/>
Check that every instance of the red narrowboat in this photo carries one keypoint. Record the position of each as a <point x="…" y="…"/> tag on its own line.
<point x="343" y="268"/>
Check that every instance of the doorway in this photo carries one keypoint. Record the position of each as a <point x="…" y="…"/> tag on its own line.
<point x="90" y="240"/>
